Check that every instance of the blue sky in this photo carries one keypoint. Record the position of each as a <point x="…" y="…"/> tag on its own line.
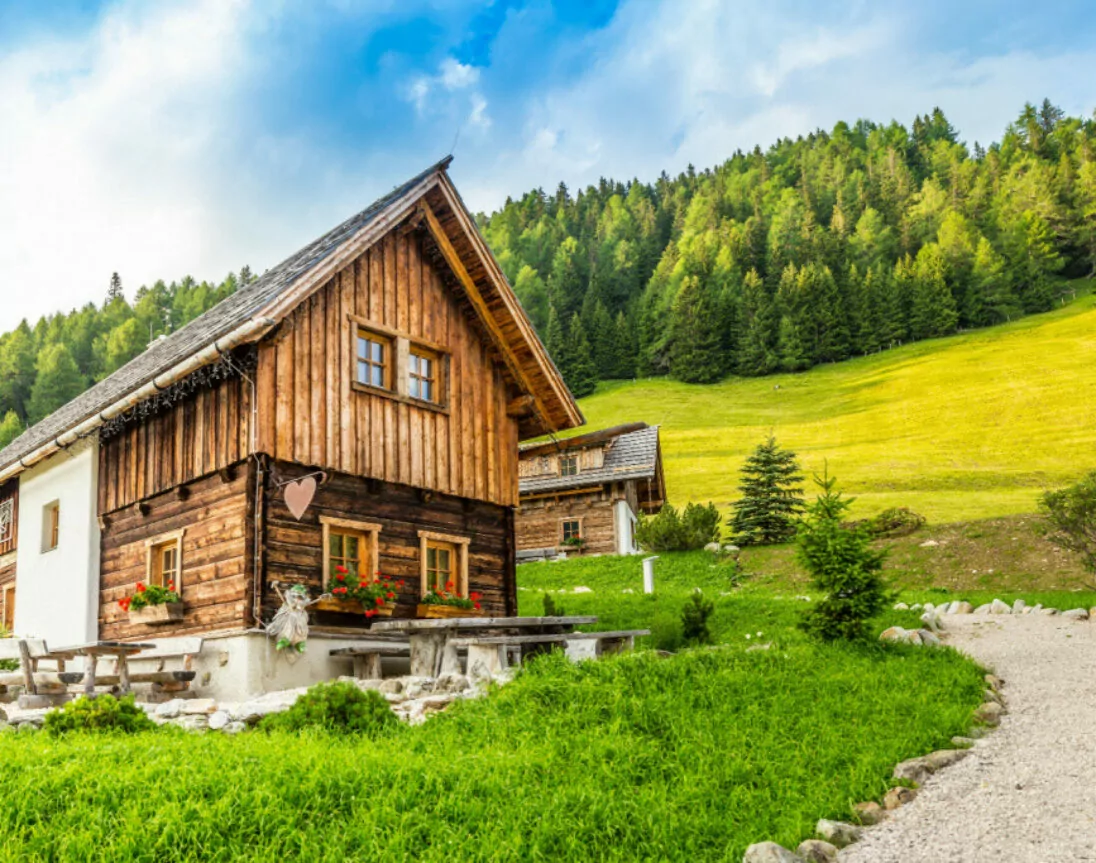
<point x="165" y="138"/>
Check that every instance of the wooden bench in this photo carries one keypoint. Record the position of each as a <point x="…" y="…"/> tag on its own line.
<point x="151" y="668"/>
<point x="487" y="654"/>
<point x="28" y="653"/>
<point x="366" y="655"/>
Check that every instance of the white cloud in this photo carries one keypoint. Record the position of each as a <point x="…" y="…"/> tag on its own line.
<point x="451" y="94"/>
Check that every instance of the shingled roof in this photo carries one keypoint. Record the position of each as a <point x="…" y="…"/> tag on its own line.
<point x="631" y="454"/>
<point x="254" y="301"/>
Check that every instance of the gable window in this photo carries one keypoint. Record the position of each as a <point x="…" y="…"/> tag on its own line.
<point x="571" y="529"/>
<point x="444" y="561"/>
<point x="568" y="465"/>
<point x="349" y="545"/>
<point x="374" y="360"/>
<point x="51" y="526"/>
<point x="164" y="561"/>
<point x="422" y="375"/>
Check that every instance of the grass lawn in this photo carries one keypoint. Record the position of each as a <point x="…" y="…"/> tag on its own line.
<point x="969" y="427"/>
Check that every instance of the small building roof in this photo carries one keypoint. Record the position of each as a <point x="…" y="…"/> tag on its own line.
<point x="632" y="452"/>
<point x="276" y="292"/>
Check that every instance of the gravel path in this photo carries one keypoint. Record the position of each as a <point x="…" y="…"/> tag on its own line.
<point x="1027" y="792"/>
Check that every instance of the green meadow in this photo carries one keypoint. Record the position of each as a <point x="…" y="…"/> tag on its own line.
<point x="963" y="428"/>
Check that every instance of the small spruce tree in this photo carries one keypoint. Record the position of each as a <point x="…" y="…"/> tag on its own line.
<point x="842" y="565"/>
<point x="772" y="496"/>
<point x="583" y="372"/>
<point x="694" y="619"/>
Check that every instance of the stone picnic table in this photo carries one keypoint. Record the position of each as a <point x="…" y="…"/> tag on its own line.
<point x="434" y="642"/>
<point x="91" y="652"/>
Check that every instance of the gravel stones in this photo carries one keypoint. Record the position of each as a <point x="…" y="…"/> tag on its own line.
<point x="817" y="851"/>
<point x="989" y="713"/>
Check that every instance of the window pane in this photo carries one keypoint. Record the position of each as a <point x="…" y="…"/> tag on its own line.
<point x="334" y="545"/>
<point x="378" y="376"/>
<point x="431" y="558"/>
<point x="414" y="388"/>
<point x="425" y="367"/>
<point x="427" y="391"/>
<point x="378" y="352"/>
<point x="363" y="373"/>
<point x="443" y="561"/>
<point x="351" y="544"/>
<point x="363" y="348"/>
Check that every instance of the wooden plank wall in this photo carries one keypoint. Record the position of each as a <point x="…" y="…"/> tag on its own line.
<point x="310" y="414"/>
<point x="10" y="491"/>
<point x="294" y="550"/>
<point x="216" y="557"/>
<point x="537" y="523"/>
<point x="207" y="432"/>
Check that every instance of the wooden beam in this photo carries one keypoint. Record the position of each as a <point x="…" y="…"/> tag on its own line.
<point x="522" y="406"/>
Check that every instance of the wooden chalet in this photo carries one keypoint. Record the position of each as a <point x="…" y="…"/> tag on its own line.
<point x="389" y="360"/>
<point x="584" y="494"/>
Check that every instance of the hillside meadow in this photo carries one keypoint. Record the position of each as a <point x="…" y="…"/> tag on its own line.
<point x="968" y="427"/>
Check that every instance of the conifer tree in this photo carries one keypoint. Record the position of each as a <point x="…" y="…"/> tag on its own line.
<point x="772" y="496"/>
<point x="57" y="382"/>
<point x="624" y="348"/>
<point x="842" y="565"/>
<point x="757" y="354"/>
<point x="696" y="354"/>
<point x="583" y="373"/>
<point x="601" y="334"/>
<point x="17" y="369"/>
<point x="789" y="347"/>
<point x="10" y="428"/>
<point x="555" y="340"/>
<point x="114" y="292"/>
<point x="933" y="312"/>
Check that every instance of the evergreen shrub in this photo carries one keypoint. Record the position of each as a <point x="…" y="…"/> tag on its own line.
<point x="1070" y="515"/>
<point x="693" y="528"/>
<point x="104" y="713"/>
<point x="694" y="619"/>
<point x="772" y="496"/>
<point x="336" y="706"/>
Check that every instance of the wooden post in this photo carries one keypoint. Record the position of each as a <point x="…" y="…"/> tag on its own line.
<point x="89" y="675"/>
<point x="425" y="650"/>
<point x="28" y="673"/>
<point x="123" y="673"/>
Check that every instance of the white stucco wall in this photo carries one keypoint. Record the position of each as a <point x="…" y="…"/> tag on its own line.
<point x="623" y="521"/>
<point x="58" y="590"/>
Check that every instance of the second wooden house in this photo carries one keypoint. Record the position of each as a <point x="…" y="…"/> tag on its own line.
<point x="388" y="362"/>
<point x="584" y="494"/>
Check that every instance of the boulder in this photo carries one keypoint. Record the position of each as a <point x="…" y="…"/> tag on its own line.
<point x="219" y="720"/>
<point x="914" y="637"/>
<point x="982" y="609"/>
<point x="929" y="639"/>
<point x="391" y="686"/>
<point x="770" y="852"/>
<point x="817" y="851"/>
<point x="452" y="683"/>
<point x="929" y="543"/>
<point x="962" y="742"/>
<point x="901" y="606"/>
<point x="1075" y="614"/>
<point x="999" y="607"/>
<point x="252" y="711"/>
<point x="913" y="770"/>
<point x="931" y="621"/>
<point x="1092" y="613"/>
<point x="1019" y="607"/>
<point x="1049" y="612"/>
<point x="712" y="547"/>
<point x="170" y="709"/>
<point x="198" y="707"/>
<point x="916" y="607"/>
<point x="994" y="682"/>
<point x="928" y="608"/>
<point x="965" y="608"/>
<point x="896" y="797"/>
<point x="989" y="713"/>
<point x="945" y="758"/>
<point x="869" y="813"/>
<point x="838" y="832"/>
<point x="235" y="727"/>
<point x="1035" y="609"/>
<point x="895" y="633"/>
<point x="192" y="722"/>
<point x="731" y="549"/>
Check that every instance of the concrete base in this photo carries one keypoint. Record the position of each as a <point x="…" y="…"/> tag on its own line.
<point x="241" y="665"/>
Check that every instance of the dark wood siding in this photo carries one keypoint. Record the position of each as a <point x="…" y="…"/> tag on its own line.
<point x="538" y="521"/>
<point x="294" y="550"/>
<point x="217" y="516"/>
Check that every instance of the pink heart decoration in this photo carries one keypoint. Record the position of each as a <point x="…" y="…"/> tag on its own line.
<point x="299" y="494"/>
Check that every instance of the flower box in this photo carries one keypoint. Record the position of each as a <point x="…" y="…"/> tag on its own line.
<point x="352" y="606"/>
<point x="435" y="611"/>
<point x="154" y="615"/>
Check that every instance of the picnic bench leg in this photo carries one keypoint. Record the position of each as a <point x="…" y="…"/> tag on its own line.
<point x="28" y="672"/>
<point x="89" y="675"/>
<point x="582" y="649"/>
<point x="368" y="666"/>
<point x="123" y="674"/>
<point x="485" y="660"/>
<point x="450" y="662"/>
<point x="425" y="650"/>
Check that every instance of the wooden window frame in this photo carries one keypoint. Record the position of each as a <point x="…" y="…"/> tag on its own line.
<point x="460" y="544"/>
<point x="153" y="558"/>
<point x="563" y="531"/>
<point x="7" y="606"/>
<point x="51" y="526"/>
<point x="571" y="460"/>
<point x="368" y="533"/>
<point x="436" y="378"/>
<point x="401" y="347"/>
<point x="387" y="367"/>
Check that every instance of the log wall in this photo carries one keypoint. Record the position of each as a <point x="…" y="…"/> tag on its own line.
<point x="311" y="413"/>
<point x="294" y="550"/>
<point x="538" y="521"/>
<point x="10" y="541"/>
<point x="216" y="555"/>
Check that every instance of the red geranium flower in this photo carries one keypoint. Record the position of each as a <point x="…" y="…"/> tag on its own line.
<point x="371" y="613"/>
<point x="340" y="578"/>
<point x="140" y="587"/>
<point x="476" y="606"/>
<point x="380" y="600"/>
<point x="399" y="584"/>
<point x="342" y="569"/>
<point x="449" y="585"/>
<point x="474" y="596"/>
<point x="390" y="595"/>
<point x="363" y="584"/>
